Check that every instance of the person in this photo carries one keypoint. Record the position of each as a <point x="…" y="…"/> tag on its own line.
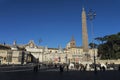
<point x="103" y="68"/>
<point x="77" y="66"/>
<point x="61" y="68"/>
<point x="67" y="68"/>
<point x="85" y="67"/>
<point x="80" y="67"/>
<point x="36" y="68"/>
<point x="55" y="65"/>
<point x="119" y="67"/>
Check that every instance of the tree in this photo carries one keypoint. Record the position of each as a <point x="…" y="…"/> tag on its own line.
<point x="100" y="39"/>
<point x="109" y="47"/>
<point x="93" y="45"/>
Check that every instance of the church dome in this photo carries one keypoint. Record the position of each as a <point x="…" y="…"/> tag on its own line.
<point x="68" y="45"/>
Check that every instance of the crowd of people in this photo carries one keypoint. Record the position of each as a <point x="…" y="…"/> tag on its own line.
<point x="78" y="67"/>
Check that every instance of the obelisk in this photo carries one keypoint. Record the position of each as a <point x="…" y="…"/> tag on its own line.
<point x="84" y="32"/>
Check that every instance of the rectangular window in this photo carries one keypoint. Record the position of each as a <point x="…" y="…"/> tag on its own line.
<point x="9" y="57"/>
<point x="20" y="57"/>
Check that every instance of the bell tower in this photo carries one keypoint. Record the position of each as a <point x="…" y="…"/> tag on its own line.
<point x="72" y="42"/>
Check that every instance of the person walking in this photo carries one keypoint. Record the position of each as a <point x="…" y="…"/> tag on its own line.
<point x="67" y="67"/>
<point x="61" y="68"/>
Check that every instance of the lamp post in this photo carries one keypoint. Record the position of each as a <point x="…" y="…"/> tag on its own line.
<point x="66" y="58"/>
<point x="43" y="55"/>
<point x="91" y="16"/>
<point x="41" y="52"/>
<point x="59" y="59"/>
<point x="38" y="59"/>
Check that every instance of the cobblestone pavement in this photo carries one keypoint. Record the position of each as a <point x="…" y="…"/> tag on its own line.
<point x="51" y="75"/>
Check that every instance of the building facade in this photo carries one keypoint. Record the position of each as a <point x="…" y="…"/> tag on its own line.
<point x="13" y="55"/>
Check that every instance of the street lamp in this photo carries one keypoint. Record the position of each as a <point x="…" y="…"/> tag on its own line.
<point x="38" y="59"/>
<point x="41" y="52"/>
<point x="66" y="58"/>
<point x="59" y="59"/>
<point x="91" y="16"/>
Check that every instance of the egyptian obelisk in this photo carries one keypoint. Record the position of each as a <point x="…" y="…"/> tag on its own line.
<point x="84" y="32"/>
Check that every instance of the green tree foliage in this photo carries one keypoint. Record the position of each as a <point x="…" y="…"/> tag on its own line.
<point x="93" y="45"/>
<point x="109" y="48"/>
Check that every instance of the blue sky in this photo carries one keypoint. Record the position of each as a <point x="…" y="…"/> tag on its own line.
<point x="55" y="21"/>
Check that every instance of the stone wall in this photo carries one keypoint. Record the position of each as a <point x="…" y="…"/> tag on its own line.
<point x="109" y="61"/>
